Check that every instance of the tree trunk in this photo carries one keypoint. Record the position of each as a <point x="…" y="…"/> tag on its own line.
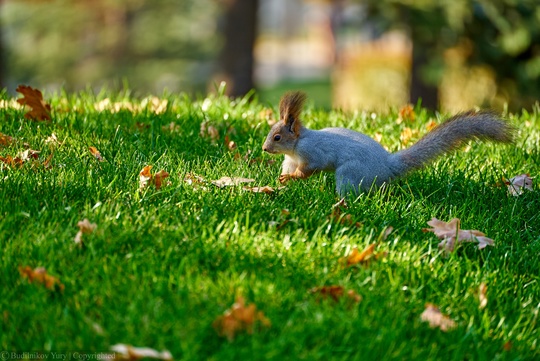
<point x="420" y="90"/>
<point x="237" y="55"/>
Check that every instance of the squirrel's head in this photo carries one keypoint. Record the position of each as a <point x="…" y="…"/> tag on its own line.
<point x="285" y="133"/>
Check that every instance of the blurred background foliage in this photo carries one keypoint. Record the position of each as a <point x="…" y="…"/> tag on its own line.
<point x="354" y="54"/>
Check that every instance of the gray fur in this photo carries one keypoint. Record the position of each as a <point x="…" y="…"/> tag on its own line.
<point x="359" y="161"/>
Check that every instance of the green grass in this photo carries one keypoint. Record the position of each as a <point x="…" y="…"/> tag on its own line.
<point x="163" y="264"/>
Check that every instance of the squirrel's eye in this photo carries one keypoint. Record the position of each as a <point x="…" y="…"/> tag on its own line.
<point x="277" y="137"/>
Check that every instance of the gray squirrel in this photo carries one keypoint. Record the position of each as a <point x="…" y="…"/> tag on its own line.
<point x="359" y="161"/>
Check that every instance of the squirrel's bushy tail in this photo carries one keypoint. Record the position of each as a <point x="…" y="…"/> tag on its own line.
<point x="452" y="134"/>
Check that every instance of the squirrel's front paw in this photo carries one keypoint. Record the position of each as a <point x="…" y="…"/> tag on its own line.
<point x="284" y="178"/>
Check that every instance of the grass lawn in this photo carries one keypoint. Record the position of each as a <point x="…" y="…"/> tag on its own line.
<point x="164" y="264"/>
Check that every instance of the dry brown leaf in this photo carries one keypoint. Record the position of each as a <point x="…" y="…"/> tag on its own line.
<point x="6" y="140"/>
<point x="159" y="177"/>
<point x="360" y="257"/>
<point x="132" y="353"/>
<point x="336" y="292"/>
<point x="406" y="113"/>
<point x="146" y="178"/>
<point x="450" y="233"/>
<point x="239" y="318"/>
<point x="39" y="275"/>
<point x="482" y="295"/>
<point x="231" y="181"/>
<point x="436" y="319"/>
<point x="517" y="184"/>
<point x="85" y="227"/>
<point x="34" y="99"/>
<point x="12" y="162"/>
<point x="96" y="153"/>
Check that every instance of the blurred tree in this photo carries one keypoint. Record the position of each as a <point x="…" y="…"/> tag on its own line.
<point x="503" y="35"/>
<point x="150" y="44"/>
<point x="237" y="58"/>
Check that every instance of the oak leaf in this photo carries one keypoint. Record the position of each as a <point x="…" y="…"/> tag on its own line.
<point x="450" y="233"/>
<point x="39" y="275"/>
<point x="436" y="318"/>
<point x="132" y="353"/>
<point x="34" y="99"/>
<point x="240" y="317"/>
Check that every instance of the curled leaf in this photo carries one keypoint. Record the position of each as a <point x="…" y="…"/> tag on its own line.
<point x="96" y="153"/>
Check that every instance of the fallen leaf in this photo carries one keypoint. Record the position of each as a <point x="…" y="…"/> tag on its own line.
<point x="239" y="318"/>
<point x="146" y="177"/>
<point x="12" y="162"/>
<point x="359" y="257"/>
<point x="231" y="181"/>
<point x="436" y="319"/>
<point x="517" y="184"/>
<point x="336" y="292"/>
<point x="482" y="297"/>
<point x="406" y="113"/>
<point x="96" y="153"/>
<point x="430" y="125"/>
<point x="39" y="275"/>
<point x="451" y="234"/>
<point x="53" y="139"/>
<point x="29" y="154"/>
<point x="34" y="99"/>
<point x="194" y="180"/>
<point x="209" y="131"/>
<point x="265" y="189"/>
<point x="128" y="352"/>
<point x="6" y="140"/>
<point x="406" y="135"/>
<point x="158" y="178"/>
<point x="85" y="227"/>
<point x="230" y="144"/>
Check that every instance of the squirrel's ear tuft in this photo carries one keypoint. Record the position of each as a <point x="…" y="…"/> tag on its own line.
<point x="290" y="107"/>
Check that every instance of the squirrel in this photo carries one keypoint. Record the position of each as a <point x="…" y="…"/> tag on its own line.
<point x="360" y="162"/>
